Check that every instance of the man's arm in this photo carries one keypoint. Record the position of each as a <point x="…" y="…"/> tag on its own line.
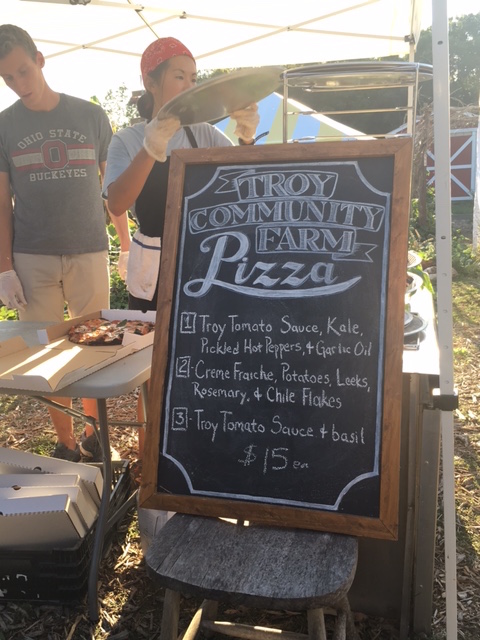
<point x="119" y="222"/>
<point x="6" y="223"/>
<point x="11" y="290"/>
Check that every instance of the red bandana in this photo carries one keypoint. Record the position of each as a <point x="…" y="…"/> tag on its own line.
<point x="159" y="51"/>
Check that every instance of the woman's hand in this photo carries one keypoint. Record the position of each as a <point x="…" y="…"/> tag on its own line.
<point x="157" y="135"/>
<point x="122" y="264"/>
<point x="247" y="123"/>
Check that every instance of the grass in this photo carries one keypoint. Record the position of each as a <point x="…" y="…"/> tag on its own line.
<point x="462" y="208"/>
<point x="7" y="404"/>
<point x="466" y="303"/>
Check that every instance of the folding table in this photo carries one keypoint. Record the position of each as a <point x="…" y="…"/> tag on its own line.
<point x="116" y="379"/>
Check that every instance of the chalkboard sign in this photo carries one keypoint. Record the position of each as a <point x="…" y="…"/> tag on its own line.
<point x="275" y="394"/>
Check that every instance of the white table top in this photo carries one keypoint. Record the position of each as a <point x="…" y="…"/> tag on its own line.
<point x="113" y="380"/>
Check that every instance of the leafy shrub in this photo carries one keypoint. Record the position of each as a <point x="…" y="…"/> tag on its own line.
<point x="421" y="236"/>
<point x="118" y="291"/>
<point x="422" y="240"/>
<point x="8" y="314"/>
<point x="464" y="259"/>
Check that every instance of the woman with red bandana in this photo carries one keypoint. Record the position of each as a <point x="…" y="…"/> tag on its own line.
<point x="138" y="160"/>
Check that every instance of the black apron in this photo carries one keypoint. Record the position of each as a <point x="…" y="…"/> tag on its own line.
<point x="150" y="213"/>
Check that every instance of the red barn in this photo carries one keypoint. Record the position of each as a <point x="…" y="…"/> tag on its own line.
<point x="463" y="160"/>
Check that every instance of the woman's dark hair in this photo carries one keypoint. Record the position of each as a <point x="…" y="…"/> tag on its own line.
<point x="145" y="102"/>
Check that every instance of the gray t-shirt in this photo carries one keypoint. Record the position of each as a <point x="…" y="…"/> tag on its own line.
<point x="52" y="158"/>
<point x="126" y="143"/>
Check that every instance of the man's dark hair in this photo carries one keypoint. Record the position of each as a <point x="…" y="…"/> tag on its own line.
<point x="12" y="36"/>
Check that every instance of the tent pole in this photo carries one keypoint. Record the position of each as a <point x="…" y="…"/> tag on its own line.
<point x="443" y="215"/>
<point x="412" y="96"/>
<point x="476" y="202"/>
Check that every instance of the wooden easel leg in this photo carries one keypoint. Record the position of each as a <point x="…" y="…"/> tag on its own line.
<point x="170" y="615"/>
<point x="207" y="609"/>
<point x="350" y="628"/>
<point x="210" y="612"/>
<point x="340" y="626"/>
<point x="316" y="625"/>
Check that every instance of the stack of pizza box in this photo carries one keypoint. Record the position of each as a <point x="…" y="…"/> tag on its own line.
<point x="45" y="502"/>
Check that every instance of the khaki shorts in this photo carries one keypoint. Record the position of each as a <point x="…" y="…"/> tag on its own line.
<point x="81" y="282"/>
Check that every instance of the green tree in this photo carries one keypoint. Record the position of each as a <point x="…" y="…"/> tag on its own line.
<point x="464" y="50"/>
<point x="209" y="74"/>
<point x="119" y="107"/>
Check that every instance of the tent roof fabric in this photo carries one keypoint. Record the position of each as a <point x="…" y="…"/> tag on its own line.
<point x="105" y="38"/>
<point x="223" y="35"/>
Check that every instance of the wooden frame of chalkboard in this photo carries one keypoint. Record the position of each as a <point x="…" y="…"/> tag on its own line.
<point x="275" y="394"/>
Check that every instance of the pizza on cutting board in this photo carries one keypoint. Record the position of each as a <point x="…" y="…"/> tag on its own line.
<point x="100" y="332"/>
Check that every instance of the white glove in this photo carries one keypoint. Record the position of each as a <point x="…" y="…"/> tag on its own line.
<point x="247" y="122"/>
<point x="122" y="264"/>
<point x="11" y="290"/>
<point x="157" y="135"/>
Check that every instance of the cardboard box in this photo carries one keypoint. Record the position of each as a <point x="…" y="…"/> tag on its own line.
<point x="56" y="362"/>
<point x="82" y="501"/>
<point x="7" y="468"/>
<point x="18" y="485"/>
<point x="14" y="461"/>
<point x="45" y="521"/>
<point x="39" y="480"/>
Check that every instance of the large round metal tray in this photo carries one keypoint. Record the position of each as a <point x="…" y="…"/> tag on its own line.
<point x="338" y="76"/>
<point x="415" y="325"/>
<point x="215" y="99"/>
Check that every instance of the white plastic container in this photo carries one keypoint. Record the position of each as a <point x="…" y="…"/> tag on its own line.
<point x="150" y="521"/>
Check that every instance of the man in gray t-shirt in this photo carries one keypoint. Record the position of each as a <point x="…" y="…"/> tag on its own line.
<point x="53" y="243"/>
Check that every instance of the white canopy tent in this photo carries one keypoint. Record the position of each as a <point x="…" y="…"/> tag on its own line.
<point x="103" y="42"/>
<point x="223" y="34"/>
<point x="100" y="44"/>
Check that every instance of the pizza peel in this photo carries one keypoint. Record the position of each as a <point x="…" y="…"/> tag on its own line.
<point x="217" y="98"/>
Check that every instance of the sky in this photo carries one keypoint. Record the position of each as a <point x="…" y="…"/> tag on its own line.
<point x="59" y="76"/>
<point x="457" y="8"/>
